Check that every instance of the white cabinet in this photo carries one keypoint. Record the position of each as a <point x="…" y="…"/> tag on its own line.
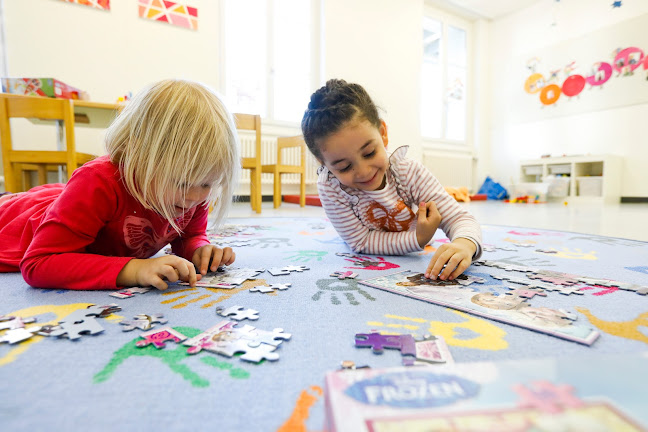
<point x="595" y="178"/>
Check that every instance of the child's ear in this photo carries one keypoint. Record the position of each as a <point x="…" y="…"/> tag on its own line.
<point x="383" y="132"/>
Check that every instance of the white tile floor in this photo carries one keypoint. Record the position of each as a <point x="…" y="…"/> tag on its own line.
<point x="615" y="220"/>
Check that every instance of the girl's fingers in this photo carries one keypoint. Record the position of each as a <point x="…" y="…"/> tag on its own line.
<point x="451" y="265"/>
<point x="170" y="273"/>
<point x="228" y="257"/>
<point x="437" y="262"/>
<point x="422" y="212"/>
<point x="465" y="263"/>
<point x="158" y="283"/>
<point x="205" y="256"/>
<point x="217" y="257"/>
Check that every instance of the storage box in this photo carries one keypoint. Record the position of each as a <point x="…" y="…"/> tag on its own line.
<point x="558" y="187"/>
<point x="590" y="186"/>
<point x="49" y="87"/>
<point x="535" y="191"/>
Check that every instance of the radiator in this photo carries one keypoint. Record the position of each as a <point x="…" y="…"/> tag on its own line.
<point x="451" y="169"/>
<point x="290" y="156"/>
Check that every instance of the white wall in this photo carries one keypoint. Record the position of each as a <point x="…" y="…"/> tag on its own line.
<point x="106" y="53"/>
<point x="377" y="43"/>
<point x="515" y="38"/>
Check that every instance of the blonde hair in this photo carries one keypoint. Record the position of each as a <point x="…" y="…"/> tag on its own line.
<point x="171" y="135"/>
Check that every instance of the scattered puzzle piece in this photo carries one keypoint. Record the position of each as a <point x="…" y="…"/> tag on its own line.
<point x="344" y="274"/>
<point x="81" y="321"/>
<point x="238" y="313"/>
<point x="143" y="322"/>
<point x="278" y="271"/>
<point x="262" y="289"/>
<point x="130" y="292"/>
<point x="12" y="323"/>
<point x="294" y="268"/>
<point x="159" y="337"/>
<point x="227" y="339"/>
<point x="19" y="334"/>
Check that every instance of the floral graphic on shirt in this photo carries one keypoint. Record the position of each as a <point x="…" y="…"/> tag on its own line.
<point x="142" y="239"/>
<point x="396" y="219"/>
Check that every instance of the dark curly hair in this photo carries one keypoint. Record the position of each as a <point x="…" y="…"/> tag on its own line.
<point x="331" y="107"/>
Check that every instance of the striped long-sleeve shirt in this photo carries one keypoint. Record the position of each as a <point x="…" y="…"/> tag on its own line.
<point x="384" y="221"/>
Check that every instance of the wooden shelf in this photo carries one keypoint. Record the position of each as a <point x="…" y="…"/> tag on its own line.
<point x="590" y="169"/>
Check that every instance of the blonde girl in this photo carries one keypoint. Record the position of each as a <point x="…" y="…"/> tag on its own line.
<point x="171" y="153"/>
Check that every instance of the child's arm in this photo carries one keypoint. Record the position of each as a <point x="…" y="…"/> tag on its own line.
<point x="359" y="237"/>
<point x="154" y="271"/>
<point x="57" y="256"/>
<point x="459" y="225"/>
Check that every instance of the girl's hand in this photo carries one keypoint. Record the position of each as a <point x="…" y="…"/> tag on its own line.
<point x="429" y="219"/>
<point x="455" y="256"/>
<point x="154" y="272"/>
<point x="212" y="256"/>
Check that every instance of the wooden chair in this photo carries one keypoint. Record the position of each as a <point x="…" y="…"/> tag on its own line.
<point x="15" y="161"/>
<point x="280" y="168"/>
<point x="252" y="122"/>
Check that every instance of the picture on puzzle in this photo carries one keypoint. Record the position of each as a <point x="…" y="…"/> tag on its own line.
<point x="511" y="308"/>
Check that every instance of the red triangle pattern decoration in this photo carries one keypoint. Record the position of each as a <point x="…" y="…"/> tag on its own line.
<point x="172" y="12"/>
<point x="97" y="4"/>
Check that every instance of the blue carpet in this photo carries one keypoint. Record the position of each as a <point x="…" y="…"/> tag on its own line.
<point x="104" y="382"/>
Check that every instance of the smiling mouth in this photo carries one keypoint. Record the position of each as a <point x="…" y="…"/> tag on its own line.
<point x="370" y="180"/>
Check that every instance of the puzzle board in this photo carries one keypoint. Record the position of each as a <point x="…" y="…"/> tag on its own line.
<point x="510" y="309"/>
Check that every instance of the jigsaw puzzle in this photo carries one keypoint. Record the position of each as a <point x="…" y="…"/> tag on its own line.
<point x="225" y="338"/>
<point x="143" y="322"/>
<point x="509" y="308"/>
<point x="81" y="321"/>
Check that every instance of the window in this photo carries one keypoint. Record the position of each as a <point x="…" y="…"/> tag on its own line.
<point x="269" y="61"/>
<point x="444" y="78"/>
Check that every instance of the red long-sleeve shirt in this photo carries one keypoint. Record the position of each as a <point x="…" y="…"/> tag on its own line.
<point x="81" y="234"/>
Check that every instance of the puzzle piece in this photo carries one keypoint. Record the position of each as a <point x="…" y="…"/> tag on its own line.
<point x="262" y="289"/>
<point x="19" y="334"/>
<point x="528" y="294"/>
<point x="467" y="280"/>
<point x="275" y="271"/>
<point x="130" y="292"/>
<point x="238" y="313"/>
<point x="432" y="349"/>
<point x="143" y="322"/>
<point x="159" y="337"/>
<point x="344" y="274"/>
<point x="555" y="278"/>
<point x="81" y="321"/>
<point x="12" y="323"/>
<point x="228" y="278"/>
<point x="227" y="339"/>
<point x="294" y="268"/>
<point x="233" y="242"/>
<point x="377" y="341"/>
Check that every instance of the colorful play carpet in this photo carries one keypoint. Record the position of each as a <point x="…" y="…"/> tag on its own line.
<point x="104" y="381"/>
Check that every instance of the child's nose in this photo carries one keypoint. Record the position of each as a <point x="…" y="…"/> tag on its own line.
<point x="196" y="194"/>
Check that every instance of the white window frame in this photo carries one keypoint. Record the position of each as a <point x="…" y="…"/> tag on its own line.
<point x="449" y="19"/>
<point x="281" y="126"/>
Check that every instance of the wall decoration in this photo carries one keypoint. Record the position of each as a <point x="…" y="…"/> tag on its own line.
<point x="98" y="4"/>
<point x="602" y="70"/>
<point x="172" y="12"/>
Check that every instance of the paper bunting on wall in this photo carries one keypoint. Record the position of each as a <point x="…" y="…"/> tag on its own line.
<point x="98" y="4"/>
<point x="170" y="12"/>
